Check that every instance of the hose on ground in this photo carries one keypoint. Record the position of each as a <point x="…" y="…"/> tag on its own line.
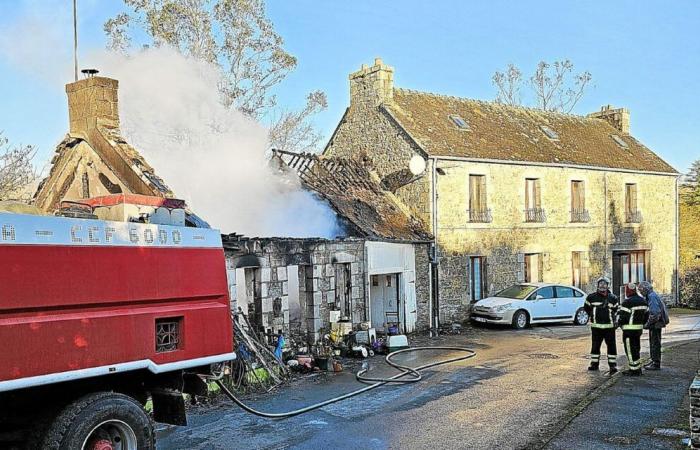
<point x="414" y="372"/>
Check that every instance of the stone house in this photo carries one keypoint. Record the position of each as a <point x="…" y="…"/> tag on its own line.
<point x="514" y="194"/>
<point x="380" y="273"/>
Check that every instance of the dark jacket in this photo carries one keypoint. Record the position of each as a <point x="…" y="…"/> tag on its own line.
<point x="601" y="309"/>
<point x="658" y="314"/>
<point x="633" y="313"/>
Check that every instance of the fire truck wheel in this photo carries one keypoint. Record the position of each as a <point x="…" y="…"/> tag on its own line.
<point x="101" y="421"/>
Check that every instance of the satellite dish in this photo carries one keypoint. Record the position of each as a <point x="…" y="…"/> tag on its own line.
<point x="417" y="165"/>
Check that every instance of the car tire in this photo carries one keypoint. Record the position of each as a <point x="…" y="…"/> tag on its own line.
<point x="581" y="317"/>
<point x="521" y="319"/>
<point x="101" y="416"/>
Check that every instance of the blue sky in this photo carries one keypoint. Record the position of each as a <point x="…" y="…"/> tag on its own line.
<point x="643" y="55"/>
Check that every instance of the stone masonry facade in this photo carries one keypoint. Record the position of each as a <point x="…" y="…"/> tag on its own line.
<point x="369" y="132"/>
<point x="261" y="269"/>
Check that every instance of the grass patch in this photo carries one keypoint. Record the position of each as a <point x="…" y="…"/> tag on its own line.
<point x="683" y="311"/>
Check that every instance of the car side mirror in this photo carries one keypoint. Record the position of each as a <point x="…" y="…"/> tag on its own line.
<point x="539" y="297"/>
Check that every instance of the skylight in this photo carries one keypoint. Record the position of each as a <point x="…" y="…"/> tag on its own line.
<point x="551" y="134"/>
<point x="459" y="122"/>
<point x="618" y="140"/>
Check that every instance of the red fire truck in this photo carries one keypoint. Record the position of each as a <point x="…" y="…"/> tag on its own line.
<point x="99" y="318"/>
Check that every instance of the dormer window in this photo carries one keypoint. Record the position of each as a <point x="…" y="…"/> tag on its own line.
<point x="459" y="122"/>
<point x="551" y="134"/>
<point x="618" y="140"/>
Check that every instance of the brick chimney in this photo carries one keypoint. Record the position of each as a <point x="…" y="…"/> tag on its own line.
<point x="372" y="86"/>
<point x="617" y="117"/>
<point x="91" y="100"/>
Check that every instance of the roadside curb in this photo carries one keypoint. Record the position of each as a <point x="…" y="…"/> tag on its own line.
<point x="589" y="398"/>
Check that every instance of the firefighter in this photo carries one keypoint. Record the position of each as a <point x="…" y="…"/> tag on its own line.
<point x="632" y="316"/>
<point x="601" y="307"/>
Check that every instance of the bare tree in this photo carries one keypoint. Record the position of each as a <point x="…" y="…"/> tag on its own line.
<point x="508" y="85"/>
<point x="292" y="131"/>
<point x="555" y="87"/>
<point x="237" y="37"/>
<point x="16" y="170"/>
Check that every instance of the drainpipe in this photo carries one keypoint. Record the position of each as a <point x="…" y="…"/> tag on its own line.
<point x="678" y="278"/>
<point x="435" y="298"/>
<point x="605" y="223"/>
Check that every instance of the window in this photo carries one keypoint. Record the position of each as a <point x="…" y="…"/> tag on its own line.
<point x="578" y="202"/>
<point x="545" y="292"/>
<point x="477" y="277"/>
<point x="577" y="269"/>
<point x="551" y="134"/>
<point x="518" y="291"/>
<point x="533" y="268"/>
<point x="459" y="122"/>
<point x="478" y="212"/>
<point x="564" y="292"/>
<point x="632" y="214"/>
<point x="630" y="267"/>
<point x="533" y="205"/>
<point x="618" y="140"/>
<point x="633" y="266"/>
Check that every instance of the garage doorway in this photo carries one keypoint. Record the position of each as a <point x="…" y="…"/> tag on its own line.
<point x="384" y="300"/>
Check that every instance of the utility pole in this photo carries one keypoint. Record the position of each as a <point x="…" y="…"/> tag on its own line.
<point x="75" y="40"/>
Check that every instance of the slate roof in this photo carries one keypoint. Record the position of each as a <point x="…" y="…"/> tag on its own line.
<point x="356" y="195"/>
<point x="500" y="132"/>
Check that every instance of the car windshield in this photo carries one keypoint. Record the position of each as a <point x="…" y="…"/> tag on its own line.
<point x="518" y="291"/>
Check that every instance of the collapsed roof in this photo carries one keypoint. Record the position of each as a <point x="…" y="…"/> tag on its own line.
<point x="94" y="159"/>
<point x="357" y="196"/>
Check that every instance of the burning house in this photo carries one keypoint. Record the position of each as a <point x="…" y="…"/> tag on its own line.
<point x="379" y="271"/>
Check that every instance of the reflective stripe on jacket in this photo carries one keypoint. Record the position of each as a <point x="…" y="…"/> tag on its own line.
<point x="601" y="309"/>
<point x="633" y="313"/>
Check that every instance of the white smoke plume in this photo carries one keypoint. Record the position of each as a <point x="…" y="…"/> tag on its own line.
<point x="211" y="156"/>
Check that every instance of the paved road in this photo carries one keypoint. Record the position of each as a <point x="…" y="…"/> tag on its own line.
<point x="519" y="386"/>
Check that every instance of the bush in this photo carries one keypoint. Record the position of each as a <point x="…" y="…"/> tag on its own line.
<point x="690" y="287"/>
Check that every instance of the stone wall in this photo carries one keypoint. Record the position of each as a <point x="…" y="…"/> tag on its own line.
<point x="423" y="286"/>
<point x="367" y="132"/>
<point x="316" y="261"/>
<point x="508" y="237"/>
<point x="270" y="263"/>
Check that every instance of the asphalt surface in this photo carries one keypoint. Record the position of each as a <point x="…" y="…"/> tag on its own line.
<point x="513" y="395"/>
<point x="649" y="412"/>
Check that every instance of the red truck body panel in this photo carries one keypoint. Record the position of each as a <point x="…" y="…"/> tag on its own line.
<point x="81" y="298"/>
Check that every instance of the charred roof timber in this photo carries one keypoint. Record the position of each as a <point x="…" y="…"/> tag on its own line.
<point x="364" y="206"/>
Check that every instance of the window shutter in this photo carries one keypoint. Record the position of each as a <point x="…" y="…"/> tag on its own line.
<point x="482" y="193"/>
<point x="581" y="195"/>
<point x="633" y="199"/>
<point x="472" y="192"/>
<point x="528" y="203"/>
<point x="538" y="202"/>
<point x="485" y="276"/>
<point x="574" y="196"/>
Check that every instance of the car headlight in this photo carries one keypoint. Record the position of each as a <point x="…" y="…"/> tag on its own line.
<point x="502" y="308"/>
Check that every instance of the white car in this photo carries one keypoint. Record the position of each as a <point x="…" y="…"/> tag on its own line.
<point x="528" y="303"/>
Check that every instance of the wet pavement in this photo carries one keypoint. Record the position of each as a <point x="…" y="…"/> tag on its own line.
<point x="648" y="412"/>
<point x="513" y="394"/>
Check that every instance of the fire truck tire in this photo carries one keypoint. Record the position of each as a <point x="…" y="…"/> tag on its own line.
<point x="93" y="420"/>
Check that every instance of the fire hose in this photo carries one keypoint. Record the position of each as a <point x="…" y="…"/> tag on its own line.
<point x="413" y="372"/>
